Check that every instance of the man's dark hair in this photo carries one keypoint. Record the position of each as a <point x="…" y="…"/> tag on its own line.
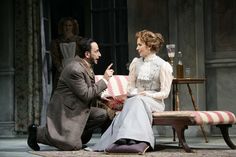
<point x="84" y="45"/>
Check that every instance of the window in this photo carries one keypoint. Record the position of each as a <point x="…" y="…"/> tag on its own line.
<point x="109" y="29"/>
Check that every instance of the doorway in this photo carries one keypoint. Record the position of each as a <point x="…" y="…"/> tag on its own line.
<point x="105" y="21"/>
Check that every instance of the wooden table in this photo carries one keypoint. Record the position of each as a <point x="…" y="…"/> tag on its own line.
<point x="175" y="94"/>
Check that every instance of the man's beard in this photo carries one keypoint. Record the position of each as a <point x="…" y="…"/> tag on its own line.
<point x="92" y="62"/>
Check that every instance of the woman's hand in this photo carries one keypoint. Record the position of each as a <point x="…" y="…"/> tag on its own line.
<point x="109" y="98"/>
<point x="142" y="93"/>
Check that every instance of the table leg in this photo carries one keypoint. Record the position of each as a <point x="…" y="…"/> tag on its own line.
<point x="174" y="107"/>
<point x="175" y="103"/>
<point x="177" y="99"/>
<point x="174" y="97"/>
<point x="196" y="108"/>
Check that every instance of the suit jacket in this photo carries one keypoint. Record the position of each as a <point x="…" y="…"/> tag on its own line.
<point x="70" y="104"/>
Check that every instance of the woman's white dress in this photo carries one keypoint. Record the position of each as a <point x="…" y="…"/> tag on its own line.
<point x="153" y="76"/>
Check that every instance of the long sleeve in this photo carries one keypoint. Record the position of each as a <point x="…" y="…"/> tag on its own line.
<point x="132" y="77"/>
<point x="78" y="81"/>
<point x="166" y="78"/>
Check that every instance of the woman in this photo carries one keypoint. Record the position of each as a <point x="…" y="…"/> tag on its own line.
<point x="150" y="79"/>
<point x="64" y="48"/>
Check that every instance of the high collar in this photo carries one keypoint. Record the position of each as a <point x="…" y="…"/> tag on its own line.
<point x="150" y="57"/>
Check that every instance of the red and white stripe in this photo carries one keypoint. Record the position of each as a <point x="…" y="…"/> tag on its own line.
<point x="214" y="117"/>
<point x="201" y="117"/>
<point x="117" y="84"/>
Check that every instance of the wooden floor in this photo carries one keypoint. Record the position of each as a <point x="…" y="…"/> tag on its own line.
<point x="17" y="147"/>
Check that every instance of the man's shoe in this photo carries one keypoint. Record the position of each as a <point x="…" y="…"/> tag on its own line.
<point x="32" y="137"/>
<point x="86" y="136"/>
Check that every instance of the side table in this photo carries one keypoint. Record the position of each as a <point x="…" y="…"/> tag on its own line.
<point x="175" y="94"/>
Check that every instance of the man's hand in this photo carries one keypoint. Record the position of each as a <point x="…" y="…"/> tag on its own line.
<point x="108" y="73"/>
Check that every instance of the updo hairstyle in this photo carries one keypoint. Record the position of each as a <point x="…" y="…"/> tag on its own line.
<point x="153" y="40"/>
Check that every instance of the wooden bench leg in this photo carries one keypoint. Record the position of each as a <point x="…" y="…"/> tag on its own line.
<point x="180" y="133"/>
<point x="225" y="133"/>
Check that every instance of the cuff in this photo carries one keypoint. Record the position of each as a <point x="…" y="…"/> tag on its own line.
<point x="105" y="81"/>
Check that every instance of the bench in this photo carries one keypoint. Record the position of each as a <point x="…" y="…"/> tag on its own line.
<point x="179" y="120"/>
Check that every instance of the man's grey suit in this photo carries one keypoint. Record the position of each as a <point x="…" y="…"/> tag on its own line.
<point x="69" y="110"/>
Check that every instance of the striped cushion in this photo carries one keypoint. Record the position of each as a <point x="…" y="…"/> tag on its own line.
<point x="201" y="117"/>
<point x="117" y="84"/>
<point x="214" y="117"/>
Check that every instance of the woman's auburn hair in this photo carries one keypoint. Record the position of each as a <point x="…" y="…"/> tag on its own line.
<point x="153" y="40"/>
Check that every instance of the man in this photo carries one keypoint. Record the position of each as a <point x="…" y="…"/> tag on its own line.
<point x="70" y="115"/>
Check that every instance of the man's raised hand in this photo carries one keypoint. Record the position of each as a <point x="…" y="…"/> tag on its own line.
<point x="109" y="72"/>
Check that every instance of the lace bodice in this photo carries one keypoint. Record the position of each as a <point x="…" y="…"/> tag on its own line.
<point x="151" y="75"/>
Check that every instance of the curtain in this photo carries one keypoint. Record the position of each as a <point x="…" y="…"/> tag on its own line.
<point x="28" y="72"/>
